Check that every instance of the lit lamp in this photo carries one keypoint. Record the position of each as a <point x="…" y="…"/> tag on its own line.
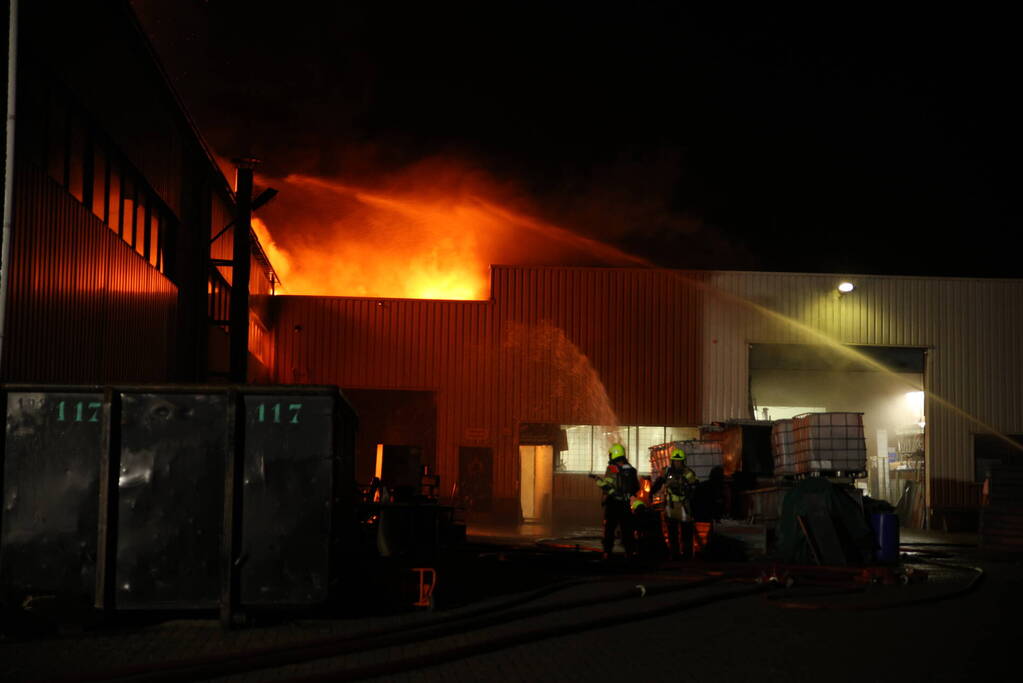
<point x="842" y="289"/>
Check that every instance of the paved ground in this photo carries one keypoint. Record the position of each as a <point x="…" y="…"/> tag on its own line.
<point x="685" y="628"/>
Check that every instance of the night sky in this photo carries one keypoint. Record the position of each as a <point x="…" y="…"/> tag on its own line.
<point x="875" y="143"/>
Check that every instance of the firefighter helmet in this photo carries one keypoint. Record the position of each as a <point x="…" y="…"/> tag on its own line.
<point x="678" y="454"/>
<point x="617" y="451"/>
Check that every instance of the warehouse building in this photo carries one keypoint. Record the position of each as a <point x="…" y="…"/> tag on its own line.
<point x="119" y="270"/>
<point x="513" y="400"/>
<point x="111" y="201"/>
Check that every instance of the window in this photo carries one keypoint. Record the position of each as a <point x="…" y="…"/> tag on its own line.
<point x="219" y="299"/>
<point x="588" y="445"/>
<point x="74" y="152"/>
<point x="154" y="239"/>
<point x="99" y="182"/>
<point x="76" y="160"/>
<point x="579" y="456"/>
<point x="141" y="227"/>
<point x="128" y="210"/>
<point x="647" y="437"/>
<point x="114" y="197"/>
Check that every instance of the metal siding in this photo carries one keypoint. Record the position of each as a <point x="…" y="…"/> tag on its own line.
<point x="972" y="329"/>
<point x="84" y="307"/>
<point x="96" y="51"/>
<point x="493" y="364"/>
<point x="100" y="56"/>
<point x="391" y="344"/>
<point x="651" y="336"/>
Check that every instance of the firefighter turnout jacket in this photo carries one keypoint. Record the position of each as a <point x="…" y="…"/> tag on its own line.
<point x="620" y="481"/>
<point x="678" y="486"/>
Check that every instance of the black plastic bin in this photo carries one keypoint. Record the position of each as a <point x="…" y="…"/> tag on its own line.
<point x="52" y="448"/>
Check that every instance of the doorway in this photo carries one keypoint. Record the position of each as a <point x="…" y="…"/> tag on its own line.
<point x="475" y="479"/>
<point x="790" y="379"/>
<point x="406" y="419"/>
<point x="536" y="482"/>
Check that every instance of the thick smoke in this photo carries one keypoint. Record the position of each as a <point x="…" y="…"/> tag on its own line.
<point x="431" y="230"/>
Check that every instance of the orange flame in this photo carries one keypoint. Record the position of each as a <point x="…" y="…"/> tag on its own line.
<point x="434" y="238"/>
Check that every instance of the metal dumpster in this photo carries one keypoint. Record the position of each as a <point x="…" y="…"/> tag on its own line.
<point x="176" y="497"/>
<point x="296" y="506"/>
<point x="174" y="448"/>
<point x="52" y="448"/>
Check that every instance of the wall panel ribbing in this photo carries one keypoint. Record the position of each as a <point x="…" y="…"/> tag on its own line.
<point x="971" y="329"/>
<point x="555" y="345"/>
<point x="83" y="306"/>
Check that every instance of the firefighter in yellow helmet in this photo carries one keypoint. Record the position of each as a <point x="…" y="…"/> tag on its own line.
<point x="619" y="483"/>
<point x="679" y="483"/>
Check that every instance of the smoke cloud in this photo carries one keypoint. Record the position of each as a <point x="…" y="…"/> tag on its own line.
<point x="431" y="230"/>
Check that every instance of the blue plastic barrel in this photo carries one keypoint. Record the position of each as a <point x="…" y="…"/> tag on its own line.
<point x="886" y="533"/>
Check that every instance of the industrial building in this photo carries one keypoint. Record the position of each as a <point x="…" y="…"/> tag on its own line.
<point x="119" y="270"/>
<point x="111" y="201"/>
<point x="514" y="400"/>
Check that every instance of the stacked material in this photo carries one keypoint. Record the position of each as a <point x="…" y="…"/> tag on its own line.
<point x="783" y="448"/>
<point x="701" y="456"/>
<point x="829" y="443"/>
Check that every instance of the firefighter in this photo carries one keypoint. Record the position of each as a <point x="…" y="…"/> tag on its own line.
<point x="619" y="483"/>
<point x="679" y="482"/>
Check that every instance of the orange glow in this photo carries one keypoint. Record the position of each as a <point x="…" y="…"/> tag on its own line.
<point x="431" y="234"/>
<point x="280" y="260"/>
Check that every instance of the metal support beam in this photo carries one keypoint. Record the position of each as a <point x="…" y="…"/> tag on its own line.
<point x="8" y="179"/>
<point x="109" y="472"/>
<point x="242" y="256"/>
<point x="231" y="558"/>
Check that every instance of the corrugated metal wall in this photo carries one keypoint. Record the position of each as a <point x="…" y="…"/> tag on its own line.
<point x="439" y="346"/>
<point x="261" y="351"/>
<point x="568" y="335"/>
<point x="112" y="109"/>
<point x="669" y="348"/>
<point x="543" y="350"/>
<point x="972" y="329"/>
<point x="94" y="48"/>
<point x="83" y="306"/>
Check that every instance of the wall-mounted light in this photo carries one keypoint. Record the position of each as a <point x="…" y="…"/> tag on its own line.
<point x="915" y="401"/>
<point x="846" y="287"/>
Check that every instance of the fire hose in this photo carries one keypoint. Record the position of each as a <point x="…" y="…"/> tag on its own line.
<point x="511" y="640"/>
<point x="978" y="574"/>
<point x="263" y="658"/>
<point x="483" y="617"/>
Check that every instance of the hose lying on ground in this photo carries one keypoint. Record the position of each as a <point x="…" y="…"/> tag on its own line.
<point x="262" y="658"/>
<point x="212" y="660"/>
<point x="512" y="640"/>
<point x="978" y="575"/>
